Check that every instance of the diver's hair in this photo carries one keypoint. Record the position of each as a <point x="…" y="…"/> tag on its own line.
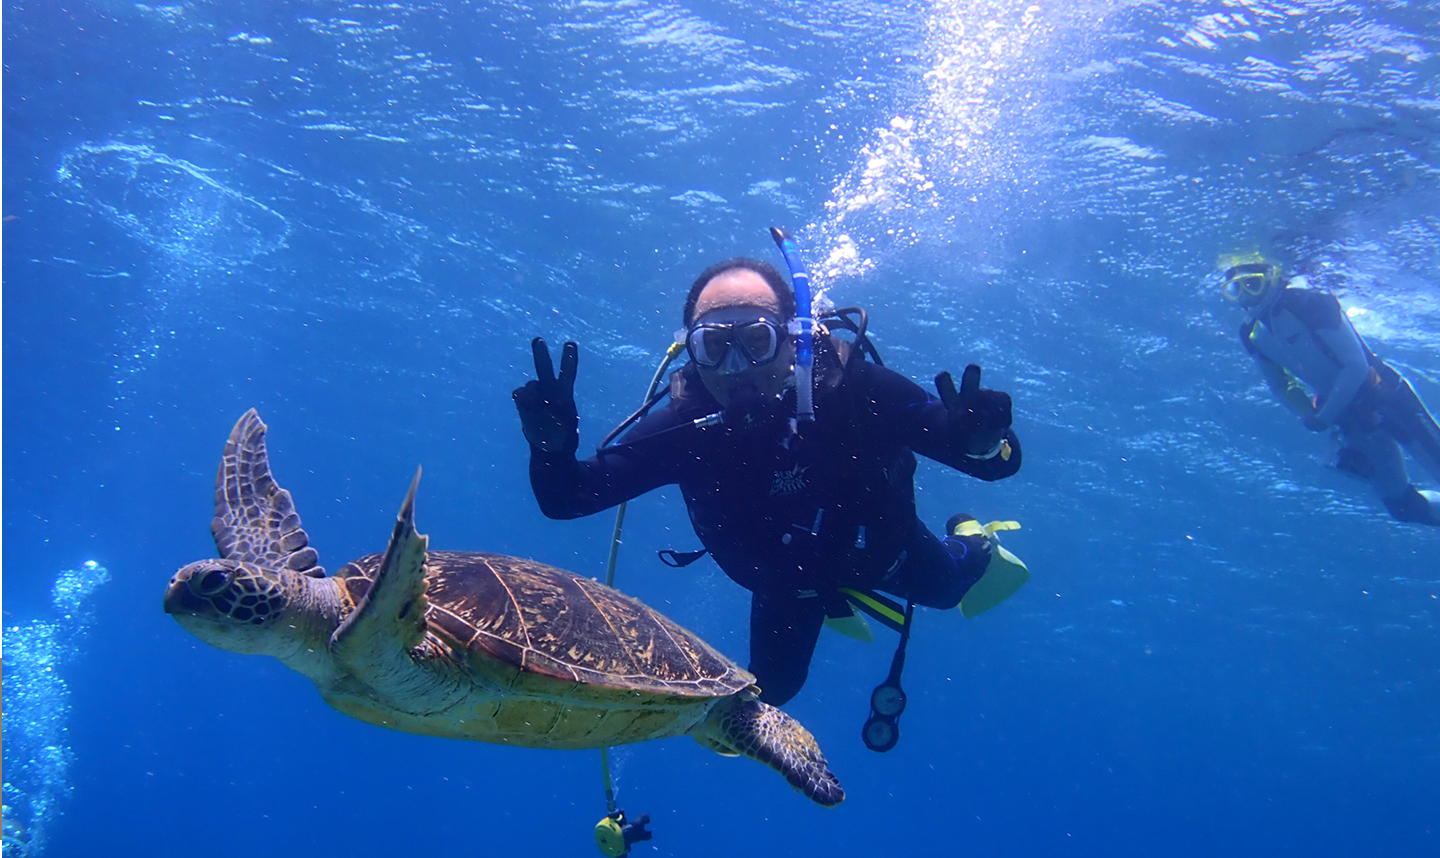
<point x="773" y="277"/>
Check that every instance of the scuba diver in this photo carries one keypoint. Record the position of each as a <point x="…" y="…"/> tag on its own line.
<point x="795" y="499"/>
<point x="1301" y="338"/>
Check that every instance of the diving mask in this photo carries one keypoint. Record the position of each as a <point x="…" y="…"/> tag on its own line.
<point x="1248" y="284"/>
<point x="757" y="341"/>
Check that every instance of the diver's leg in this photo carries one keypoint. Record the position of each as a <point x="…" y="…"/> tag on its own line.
<point x="1415" y="506"/>
<point x="1415" y="427"/>
<point x="1405" y="418"/>
<point x="783" y="632"/>
<point x="1388" y="477"/>
<point x="931" y="575"/>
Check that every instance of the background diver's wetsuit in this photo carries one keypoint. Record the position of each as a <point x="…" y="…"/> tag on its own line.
<point x="791" y="522"/>
<point x="1303" y="336"/>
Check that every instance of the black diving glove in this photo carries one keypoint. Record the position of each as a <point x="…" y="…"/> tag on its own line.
<point x="978" y="416"/>
<point x="547" y="403"/>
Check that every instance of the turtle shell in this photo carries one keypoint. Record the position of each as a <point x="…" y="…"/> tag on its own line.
<point x="507" y="612"/>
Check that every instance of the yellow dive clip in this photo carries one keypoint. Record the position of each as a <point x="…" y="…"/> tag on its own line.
<point x="614" y="835"/>
<point x="610" y="837"/>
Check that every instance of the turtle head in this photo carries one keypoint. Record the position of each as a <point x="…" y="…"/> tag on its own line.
<point x="231" y="604"/>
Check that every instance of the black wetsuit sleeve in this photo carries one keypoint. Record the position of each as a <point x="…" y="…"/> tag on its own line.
<point x="923" y="423"/>
<point x="644" y="460"/>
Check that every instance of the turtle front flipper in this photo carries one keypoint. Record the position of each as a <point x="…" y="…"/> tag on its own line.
<point x="255" y="520"/>
<point x="373" y="643"/>
<point x="743" y="725"/>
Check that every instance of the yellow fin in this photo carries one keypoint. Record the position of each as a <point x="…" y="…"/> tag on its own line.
<point x="853" y="626"/>
<point x="1005" y="574"/>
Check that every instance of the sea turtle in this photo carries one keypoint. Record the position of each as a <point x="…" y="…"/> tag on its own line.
<point x="468" y="645"/>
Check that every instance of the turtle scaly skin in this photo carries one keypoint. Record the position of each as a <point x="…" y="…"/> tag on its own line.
<point x="468" y="645"/>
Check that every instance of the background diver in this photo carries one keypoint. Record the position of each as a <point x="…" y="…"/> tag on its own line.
<point x="791" y="514"/>
<point x="1301" y="338"/>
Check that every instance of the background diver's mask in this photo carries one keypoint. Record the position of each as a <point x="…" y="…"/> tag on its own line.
<point x="722" y="346"/>
<point x="1250" y="284"/>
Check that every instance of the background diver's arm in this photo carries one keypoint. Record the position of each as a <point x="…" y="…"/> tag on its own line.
<point x="1345" y="345"/>
<point x="1286" y="387"/>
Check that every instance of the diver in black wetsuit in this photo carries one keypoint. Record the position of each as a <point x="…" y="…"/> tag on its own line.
<point x="1301" y="335"/>
<point x="790" y="515"/>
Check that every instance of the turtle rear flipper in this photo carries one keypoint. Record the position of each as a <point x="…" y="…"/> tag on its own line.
<point x="761" y="732"/>
<point x="373" y="643"/>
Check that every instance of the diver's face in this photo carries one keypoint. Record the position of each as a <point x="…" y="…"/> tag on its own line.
<point x="736" y="299"/>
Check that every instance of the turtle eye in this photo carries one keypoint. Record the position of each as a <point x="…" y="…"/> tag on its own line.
<point x="210" y="582"/>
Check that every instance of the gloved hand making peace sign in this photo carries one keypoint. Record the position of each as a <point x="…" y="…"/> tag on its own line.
<point x="547" y="403"/>
<point x="978" y="416"/>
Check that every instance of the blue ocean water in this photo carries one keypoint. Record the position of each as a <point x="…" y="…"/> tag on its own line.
<point x="354" y="216"/>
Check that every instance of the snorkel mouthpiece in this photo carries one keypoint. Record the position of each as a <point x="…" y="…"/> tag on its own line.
<point x="802" y="327"/>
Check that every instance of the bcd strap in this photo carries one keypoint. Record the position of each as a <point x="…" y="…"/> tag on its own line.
<point x="680" y="559"/>
<point x="885" y="610"/>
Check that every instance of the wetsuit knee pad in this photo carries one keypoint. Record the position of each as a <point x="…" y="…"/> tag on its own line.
<point x="1415" y="506"/>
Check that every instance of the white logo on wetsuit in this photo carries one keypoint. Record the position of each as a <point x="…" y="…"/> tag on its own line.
<point x="789" y="482"/>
